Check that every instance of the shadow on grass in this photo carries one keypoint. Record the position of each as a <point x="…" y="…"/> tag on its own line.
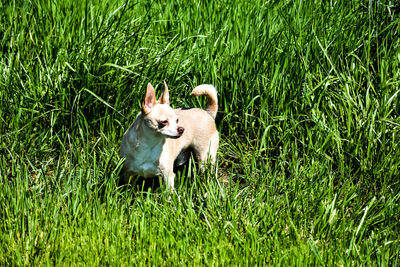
<point x="154" y="184"/>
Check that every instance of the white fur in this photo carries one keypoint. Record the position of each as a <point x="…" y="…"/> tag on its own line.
<point x="161" y="134"/>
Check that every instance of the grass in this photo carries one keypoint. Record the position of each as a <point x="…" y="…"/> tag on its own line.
<point x="309" y="161"/>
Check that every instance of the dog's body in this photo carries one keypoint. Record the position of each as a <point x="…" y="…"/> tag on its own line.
<point x="161" y="135"/>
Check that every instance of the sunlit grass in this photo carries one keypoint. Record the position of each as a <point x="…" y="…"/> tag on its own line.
<point x="309" y="161"/>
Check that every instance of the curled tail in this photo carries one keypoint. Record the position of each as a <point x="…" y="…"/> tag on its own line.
<point x="212" y="100"/>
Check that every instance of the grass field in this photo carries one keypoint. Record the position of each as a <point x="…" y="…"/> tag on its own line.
<point x="309" y="160"/>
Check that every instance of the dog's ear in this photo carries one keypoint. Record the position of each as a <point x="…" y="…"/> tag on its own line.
<point x="164" y="98"/>
<point x="149" y="100"/>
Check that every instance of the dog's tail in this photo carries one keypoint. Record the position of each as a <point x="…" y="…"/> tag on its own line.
<point x="212" y="100"/>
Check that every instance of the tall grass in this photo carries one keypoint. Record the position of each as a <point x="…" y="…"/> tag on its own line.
<point x="309" y="161"/>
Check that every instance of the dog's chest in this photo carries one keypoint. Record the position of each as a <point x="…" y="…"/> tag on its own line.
<point x="144" y="161"/>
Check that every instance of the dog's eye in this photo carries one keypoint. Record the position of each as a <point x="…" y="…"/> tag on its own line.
<point x="162" y="124"/>
<point x="177" y="120"/>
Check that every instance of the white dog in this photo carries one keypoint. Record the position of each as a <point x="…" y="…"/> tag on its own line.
<point x="161" y="135"/>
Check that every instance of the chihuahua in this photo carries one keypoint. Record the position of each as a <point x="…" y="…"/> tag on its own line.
<point x="162" y="137"/>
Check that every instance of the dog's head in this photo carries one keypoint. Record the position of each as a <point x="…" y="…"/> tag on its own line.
<point x="159" y="116"/>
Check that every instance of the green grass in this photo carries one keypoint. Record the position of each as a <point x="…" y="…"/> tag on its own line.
<point x="309" y="161"/>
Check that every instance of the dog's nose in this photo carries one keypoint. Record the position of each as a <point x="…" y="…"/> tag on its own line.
<point x="181" y="130"/>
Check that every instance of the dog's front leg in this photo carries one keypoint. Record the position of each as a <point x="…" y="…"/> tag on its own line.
<point x="166" y="165"/>
<point x="169" y="181"/>
<point x="168" y="176"/>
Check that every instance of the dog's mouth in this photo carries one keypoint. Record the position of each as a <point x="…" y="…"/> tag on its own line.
<point x="173" y="136"/>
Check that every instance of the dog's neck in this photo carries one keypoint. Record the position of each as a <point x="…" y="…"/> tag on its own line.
<point x="145" y="137"/>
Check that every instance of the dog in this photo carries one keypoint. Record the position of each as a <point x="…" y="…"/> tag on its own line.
<point x="162" y="136"/>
